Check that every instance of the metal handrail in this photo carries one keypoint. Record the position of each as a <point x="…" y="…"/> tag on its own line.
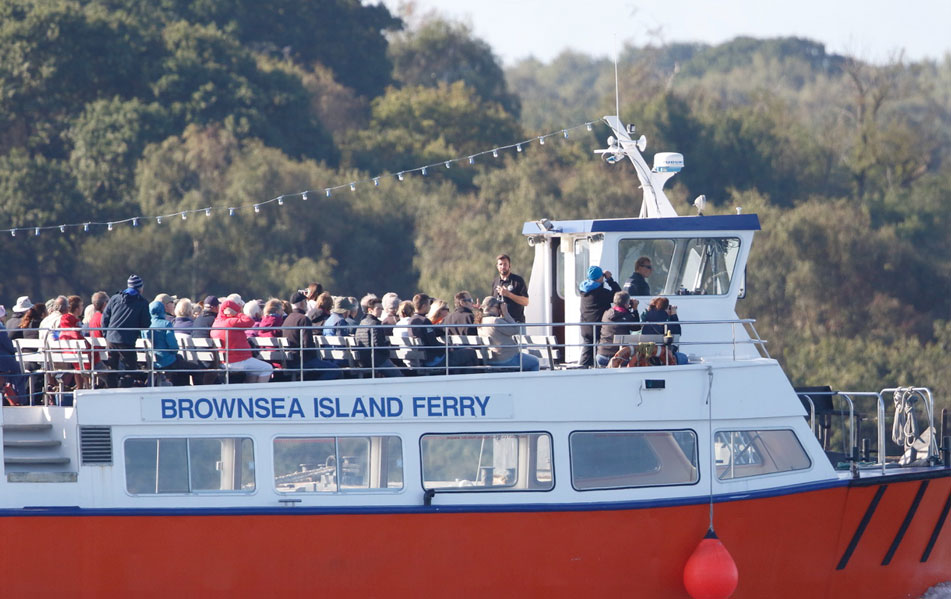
<point x="152" y="374"/>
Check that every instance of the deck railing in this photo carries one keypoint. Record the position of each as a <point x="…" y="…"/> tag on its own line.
<point x="857" y="453"/>
<point x="53" y="367"/>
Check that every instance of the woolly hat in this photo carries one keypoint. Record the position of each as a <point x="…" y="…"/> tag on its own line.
<point x="595" y="273"/>
<point x="134" y="282"/>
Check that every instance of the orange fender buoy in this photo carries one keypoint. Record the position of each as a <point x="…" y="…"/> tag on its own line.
<point x="710" y="572"/>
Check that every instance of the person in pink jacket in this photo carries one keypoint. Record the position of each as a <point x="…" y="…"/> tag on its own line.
<point x="236" y="353"/>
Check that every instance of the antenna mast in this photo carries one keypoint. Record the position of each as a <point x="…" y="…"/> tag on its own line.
<point x="617" y="87"/>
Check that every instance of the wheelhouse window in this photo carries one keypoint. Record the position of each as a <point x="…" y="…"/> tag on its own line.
<point x="622" y="459"/>
<point x="189" y="465"/>
<point x="687" y="266"/>
<point x="337" y="464"/>
<point x="741" y="454"/>
<point x="488" y="462"/>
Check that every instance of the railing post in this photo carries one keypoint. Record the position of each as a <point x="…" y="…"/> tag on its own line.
<point x="227" y="357"/>
<point x="371" y="333"/>
<point x="445" y="340"/>
<point x="150" y="355"/>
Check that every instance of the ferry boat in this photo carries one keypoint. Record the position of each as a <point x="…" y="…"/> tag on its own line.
<point x="562" y="482"/>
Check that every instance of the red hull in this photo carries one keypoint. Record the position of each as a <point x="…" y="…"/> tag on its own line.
<point x="785" y="546"/>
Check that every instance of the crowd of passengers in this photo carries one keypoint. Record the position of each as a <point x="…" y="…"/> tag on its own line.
<point x="126" y="316"/>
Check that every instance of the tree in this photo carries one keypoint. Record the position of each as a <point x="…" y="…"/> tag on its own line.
<point x="57" y="56"/>
<point x="37" y="192"/>
<point x="413" y="126"/>
<point x="107" y="141"/>
<point x="208" y="77"/>
<point x="439" y="52"/>
<point x="343" y="35"/>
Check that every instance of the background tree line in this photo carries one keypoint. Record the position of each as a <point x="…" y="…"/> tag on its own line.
<point x="116" y="108"/>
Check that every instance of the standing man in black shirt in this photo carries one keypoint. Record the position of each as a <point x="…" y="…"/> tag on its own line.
<point x="510" y="288"/>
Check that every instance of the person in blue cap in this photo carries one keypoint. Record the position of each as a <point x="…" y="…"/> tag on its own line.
<point x="595" y="299"/>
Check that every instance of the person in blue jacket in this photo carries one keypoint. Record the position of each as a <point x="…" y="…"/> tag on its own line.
<point x="165" y="355"/>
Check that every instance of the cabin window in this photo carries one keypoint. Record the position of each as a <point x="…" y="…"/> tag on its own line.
<point x="487" y="462"/>
<point x="163" y="465"/>
<point x="741" y="454"/>
<point x="688" y="266"/>
<point x="582" y="252"/>
<point x="337" y="464"/>
<point x="622" y="459"/>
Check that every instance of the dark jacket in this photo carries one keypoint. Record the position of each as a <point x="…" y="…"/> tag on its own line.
<point x="183" y="324"/>
<point x="597" y="300"/>
<point x="30" y="331"/>
<point x="13" y="323"/>
<point x="6" y="346"/>
<point x="659" y="316"/>
<point x="637" y="285"/>
<point x="299" y="338"/>
<point x="425" y="331"/>
<point x="621" y="323"/>
<point x="372" y="338"/>
<point x="127" y="310"/>
<point x="460" y="316"/>
<point x="202" y="325"/>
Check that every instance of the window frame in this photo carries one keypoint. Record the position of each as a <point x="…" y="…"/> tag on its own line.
<point x="696" y="462"/>
<point x="810" y="466"/>
<point x="682" y="258"/>
<point x="188" y="465"/>
<point x="493" y="489"/>
<point x="338" y="491"/>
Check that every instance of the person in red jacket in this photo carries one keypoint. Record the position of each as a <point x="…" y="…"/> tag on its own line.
<point x="70" y="328"/>
<point x="236" y="354"/>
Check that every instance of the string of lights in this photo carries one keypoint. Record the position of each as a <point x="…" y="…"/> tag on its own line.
<point x="306" y="195"/>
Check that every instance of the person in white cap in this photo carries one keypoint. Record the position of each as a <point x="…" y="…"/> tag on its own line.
<point x="19" y="309"/>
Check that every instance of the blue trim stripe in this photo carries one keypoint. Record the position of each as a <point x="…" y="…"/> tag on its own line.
<point x="725" y="222"/>
<point x="49" y="511"/>
<point x="728" y="222"/>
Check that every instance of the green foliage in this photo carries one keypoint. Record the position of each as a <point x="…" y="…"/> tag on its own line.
<point x="442" y="52"/>
<point x="562" y="91"/>
<point x="425" y="125"/>
<point x="54" y="58"/>
<point x="337" y="240"/>
<point x="107" y="140"/>
<point x="36" y="190"/>
<point x="743" y="51"/>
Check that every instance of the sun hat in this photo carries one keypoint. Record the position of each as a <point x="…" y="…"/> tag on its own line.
<point x="342" y="305"/>
<point x="23" y="304"/>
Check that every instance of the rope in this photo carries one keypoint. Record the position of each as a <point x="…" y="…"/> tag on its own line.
<point x="905" y="425"/>
<point x="713" y="459"/>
